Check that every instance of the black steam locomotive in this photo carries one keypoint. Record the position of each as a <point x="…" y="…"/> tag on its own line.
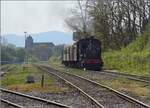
<point x="85" y="53"/>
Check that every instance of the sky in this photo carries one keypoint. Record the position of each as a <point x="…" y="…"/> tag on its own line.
<point x="34" y="16"/>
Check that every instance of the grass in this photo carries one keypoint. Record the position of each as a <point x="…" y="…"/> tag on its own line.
<point x="17" y="76"/>
<point x="16" y="80"/>
<point x="3" y="66"/>
<point x="134" y="59"/>
<point x="132" y="63"/>
<point x="37" y="87"/>
<point x="132" y="87"/>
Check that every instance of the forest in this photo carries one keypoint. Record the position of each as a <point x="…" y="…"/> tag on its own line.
<point x="114" y="22"/>
<point x="123" y="28"/>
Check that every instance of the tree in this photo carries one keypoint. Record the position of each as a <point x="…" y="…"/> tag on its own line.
<point x="20" y="54"/>
<point x="115" y="22"/>
<point x="80" y="21"/>
<point x="11" y="54"/>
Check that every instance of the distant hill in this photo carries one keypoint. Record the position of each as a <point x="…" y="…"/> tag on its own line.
<point x="56" y="37"/>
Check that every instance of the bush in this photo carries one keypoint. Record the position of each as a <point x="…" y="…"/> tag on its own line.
<point x="133" y="63"/>
<point x="134" y="59"/>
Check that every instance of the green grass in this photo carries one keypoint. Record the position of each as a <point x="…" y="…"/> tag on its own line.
<point x="16" y="80"/>
<point x="134" y="59"/>
<point x="132" y="87"/>
<point x="132" y="63"/>
<point x="17" y="76"/>
<point x="3" y="66"/>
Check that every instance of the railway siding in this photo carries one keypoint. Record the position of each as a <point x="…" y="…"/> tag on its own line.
<point x="98" y="93"/>
<point x="29" y="101"/>
<point x="89" y="99"/>
<point x="68" y="96"/>
<point x="6" y="104"/>
<point x="129" y="76"/>
<point x="137" y="89"/>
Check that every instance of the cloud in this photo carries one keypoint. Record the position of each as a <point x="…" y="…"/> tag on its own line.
<point x="34" y="16"/>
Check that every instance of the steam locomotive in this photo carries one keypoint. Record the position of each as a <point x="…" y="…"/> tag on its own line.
<point x="85" y="53"/>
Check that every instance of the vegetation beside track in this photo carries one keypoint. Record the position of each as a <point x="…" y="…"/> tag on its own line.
<point x="134" y="59"/>
<point x="122" y="84"/>
<point x="132" y="87"/>
<point x="5" y="67"/>
<point x="16" y="80"/>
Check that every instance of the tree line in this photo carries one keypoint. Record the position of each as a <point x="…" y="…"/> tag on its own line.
<point x="116" y="23"/>
<point x="12" y="54"/>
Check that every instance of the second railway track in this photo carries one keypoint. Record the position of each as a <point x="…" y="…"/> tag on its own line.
<point x="128" y="76"/>
<point x="144" y="79"/>
<point x="91" y="102"/>
<point x="20" y="100"/>
<point x="107" y="97"/>
<point x="8" y="104"/>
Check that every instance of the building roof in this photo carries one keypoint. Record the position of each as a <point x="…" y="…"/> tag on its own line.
<point x="44" y="43"/>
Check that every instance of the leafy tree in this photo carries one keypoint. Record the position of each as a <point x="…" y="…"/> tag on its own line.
<point x="11" y="54"/>
<point x="20" y="54"/>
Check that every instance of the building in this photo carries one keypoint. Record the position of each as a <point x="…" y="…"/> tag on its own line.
<point x="41" y="50"/>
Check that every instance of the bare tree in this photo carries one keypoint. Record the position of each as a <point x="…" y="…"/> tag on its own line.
<point x="115" y="22"/>
<point x="80" y="21"/>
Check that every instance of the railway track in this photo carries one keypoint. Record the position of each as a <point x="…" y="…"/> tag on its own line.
<point x="105" y="96"/>
<point x="4" y="70"/>
<point x="143" y="79"/>
<point x="133" y="77"/>
<point x="128" y="76"/>
<point x="95" y="103"/>
<point x="21" y="100"/>
<point x="4" y="67"/>
<point x="6" y="104"/>
<point x="7" y="68"/>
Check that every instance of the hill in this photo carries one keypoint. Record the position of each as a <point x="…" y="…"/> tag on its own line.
<point x="56" y="37"/>
<point x="134" y="59"/>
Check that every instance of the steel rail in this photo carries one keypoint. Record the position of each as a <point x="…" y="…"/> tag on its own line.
<point x="10" y="103"/>
<point x="71" y="84"/>
<point x="35" y="98"/>
<point x="128" y="98"/>
<point x="129" y="76"/>
<point x="122" y="95"/>
<point x="4" y="70"/>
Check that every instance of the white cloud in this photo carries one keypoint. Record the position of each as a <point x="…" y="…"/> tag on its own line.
<point x="34" y="16"/>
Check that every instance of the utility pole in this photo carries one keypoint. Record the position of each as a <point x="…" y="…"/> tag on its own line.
<point x="26" y="56"/>
<point x="25" y="36"/>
